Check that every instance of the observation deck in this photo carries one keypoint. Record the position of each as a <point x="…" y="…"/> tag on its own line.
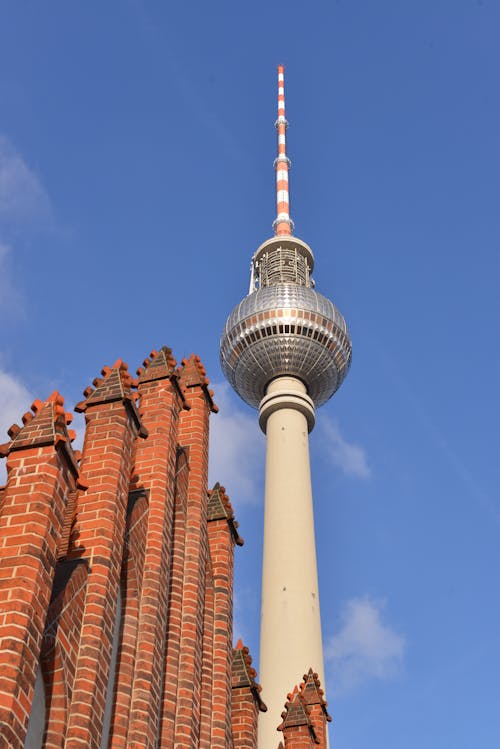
<point x="284" y="327"/>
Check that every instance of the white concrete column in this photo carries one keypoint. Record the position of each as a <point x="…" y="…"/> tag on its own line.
<point x="290" y="637"/>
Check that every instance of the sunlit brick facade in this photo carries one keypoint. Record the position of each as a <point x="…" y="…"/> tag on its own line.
<point x="116" y="578"/>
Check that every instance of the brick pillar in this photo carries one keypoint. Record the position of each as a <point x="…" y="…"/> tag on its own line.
<point x="222" y="536"/>
<point x="112" y="427"/>
<point x="305" y="716"/>
<point x="245" y="699"/>
<point x="193" y="433"/>
<point x="160" y="403"/>
<point x="176" y="590"/>
<point x="42" y="472"/>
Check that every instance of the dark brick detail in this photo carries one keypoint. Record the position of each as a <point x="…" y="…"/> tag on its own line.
<point x="220" y="508"/>
<point x="47" y="425"/>
<point x="243" y="674"/>
<point x="218" y="504"/>
<point x="160" y="366"/>
<point x="113" y="387"/>
<point x="192" y="374"/>
<point x="246" y="703"/>
<point x="296" y="712"/>
<point x="64" y="570"/>
<point x="69" y="520"/>
<point x="313" y="694"/>
<point x="134" y="496"/>
<point x="115" y="384"/>
<point x="240" y="674"/>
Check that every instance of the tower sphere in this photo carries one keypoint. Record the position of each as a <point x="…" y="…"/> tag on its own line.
<point x="284" y="327"/>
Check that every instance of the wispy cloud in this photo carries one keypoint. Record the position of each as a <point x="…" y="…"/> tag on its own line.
<point x="11" y="300"/>
<point x="348" y="456"/>
<point x="457" y="462"/>
<point x="23" y="199"/>
<point x="24" y="207"/>
<point x="15" y="399"/>
<point x="365" y="648"/>
<point x="236" y="449"/>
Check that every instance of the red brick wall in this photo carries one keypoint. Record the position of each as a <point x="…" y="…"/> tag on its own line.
<point x="134" y="517"/>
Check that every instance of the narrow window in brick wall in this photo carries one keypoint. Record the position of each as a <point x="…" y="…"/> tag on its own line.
<point x="110" y="692"/>
<point x="36" y="724"/>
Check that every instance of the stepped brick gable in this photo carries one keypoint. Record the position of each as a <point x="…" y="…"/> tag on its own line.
<point x="116" y="577"/>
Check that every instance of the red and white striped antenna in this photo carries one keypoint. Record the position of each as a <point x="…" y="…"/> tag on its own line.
<point x="283" y="224"/>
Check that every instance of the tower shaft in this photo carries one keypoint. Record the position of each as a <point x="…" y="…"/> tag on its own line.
<point x="290" y="640"/>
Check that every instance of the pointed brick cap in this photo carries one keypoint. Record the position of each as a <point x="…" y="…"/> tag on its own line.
<point x="220" y="508"/>
<point x="161" y="365"/>
<point x="243" y="675"/>
<point x="47" y="425"/>
<point x="312" y="692"/>
<point x="115" y="384"/>
<point x="296" y="712"/>
<point x="192" y="373"/>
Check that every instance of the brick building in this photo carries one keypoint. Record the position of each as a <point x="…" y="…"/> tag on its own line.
<point x="116" y="578"/>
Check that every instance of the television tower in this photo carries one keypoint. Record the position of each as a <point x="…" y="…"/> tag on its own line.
<point x="285" y="350"/>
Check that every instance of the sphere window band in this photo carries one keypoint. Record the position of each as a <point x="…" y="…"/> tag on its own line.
<point x="309" y="342"/>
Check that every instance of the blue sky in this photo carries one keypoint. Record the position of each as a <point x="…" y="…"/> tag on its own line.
<point x="136" y="180"/>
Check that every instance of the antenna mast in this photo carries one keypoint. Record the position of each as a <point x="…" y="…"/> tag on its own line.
<point x="283" y="224"/>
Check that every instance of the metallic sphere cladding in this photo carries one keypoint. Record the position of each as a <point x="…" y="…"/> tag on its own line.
<point x="285" y="327"/>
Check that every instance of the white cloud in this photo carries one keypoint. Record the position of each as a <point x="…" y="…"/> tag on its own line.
<point x="348" y="456"/>
<point x="364" y="648"/>
<point x="23" y="199"/>
<point x="24" y="207"/>
<point x="11" y="300"/>
<point x="15" y="399"/>
<point x="236" y="449"/>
